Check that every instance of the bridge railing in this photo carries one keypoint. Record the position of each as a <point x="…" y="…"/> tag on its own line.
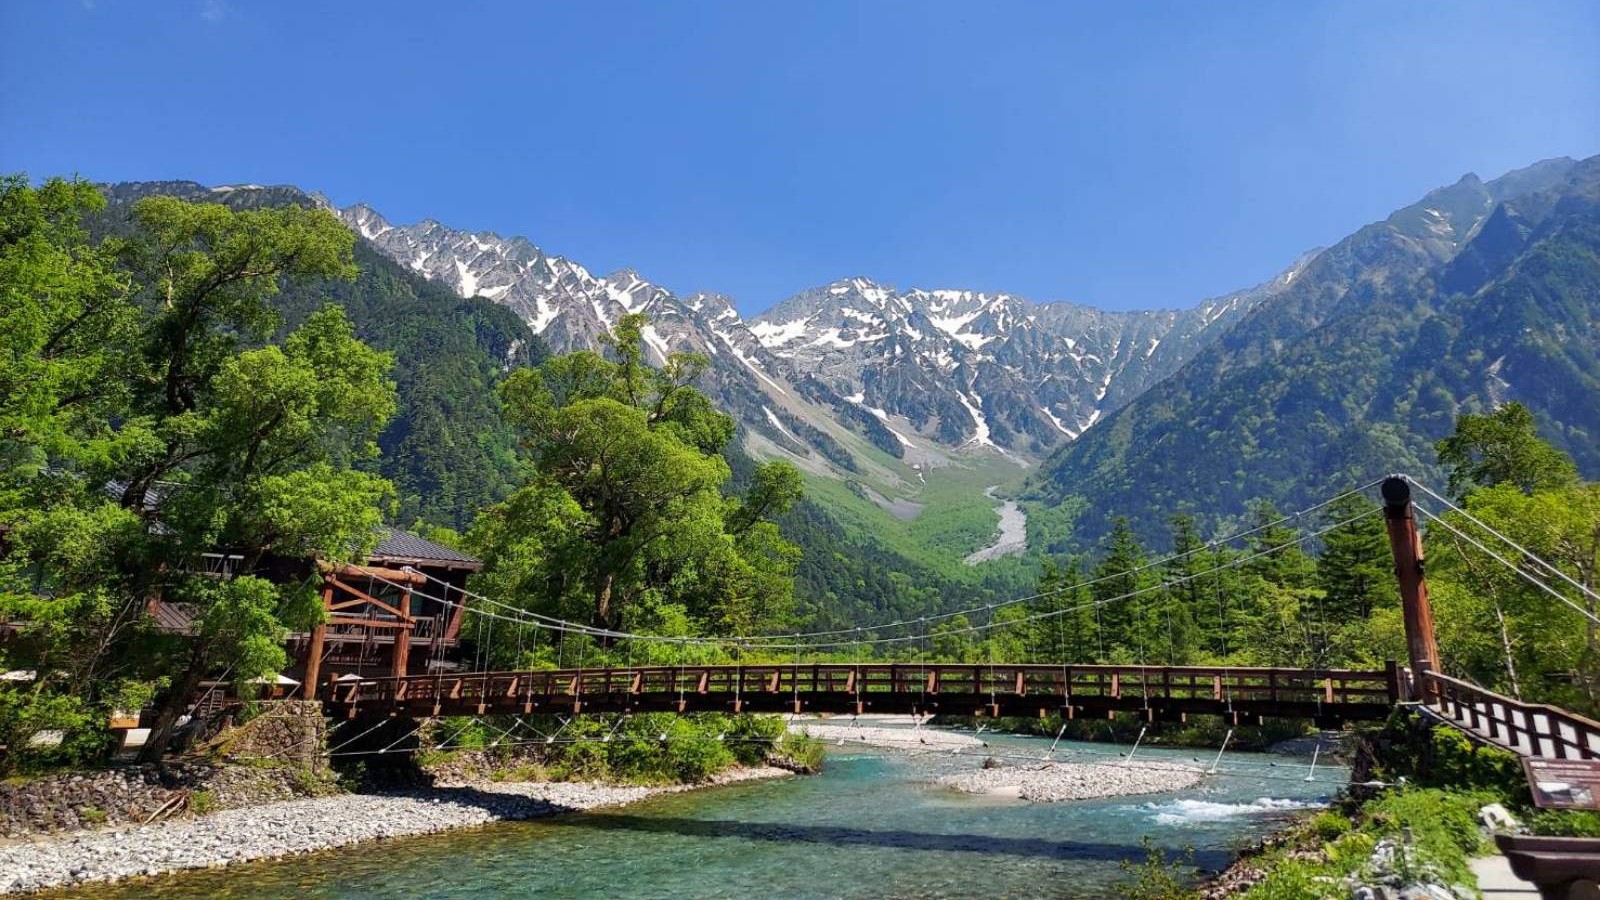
<point x="1530" y="729"/>
<point x="884" y="685"/>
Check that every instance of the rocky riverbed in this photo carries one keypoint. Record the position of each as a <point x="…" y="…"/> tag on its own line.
<point x="300" y="826"/>
<point x="1056" y="782"/>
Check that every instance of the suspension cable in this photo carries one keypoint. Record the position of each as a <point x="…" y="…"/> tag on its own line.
<point x="1513" y="544"/>
<point x="756" y="640"/>
<point x="1530" y="577"/>
<point x="536" y="620"/>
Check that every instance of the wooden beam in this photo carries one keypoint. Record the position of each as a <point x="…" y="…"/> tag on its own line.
<point x="381" y="572"/>
<point x="399" y="613"/>
<point x="369" y="623"/>
<point x="1405" y="544"/>
<point x="402" y="652"/>
<point x="314" y="648"/>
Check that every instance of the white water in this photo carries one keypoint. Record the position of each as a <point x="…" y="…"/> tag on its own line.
<point x="1187" y="811"/>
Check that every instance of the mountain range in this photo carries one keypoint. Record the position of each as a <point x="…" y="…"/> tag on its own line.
<point x="904" y="405"/>
<point x="1478" y="294"/>
<point x="919" y="374"/>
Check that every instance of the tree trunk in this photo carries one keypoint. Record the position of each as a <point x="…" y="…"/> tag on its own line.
<point x="178" y="699"/>
<point x="602" y="601"/>
<point x="1505" y="645"/>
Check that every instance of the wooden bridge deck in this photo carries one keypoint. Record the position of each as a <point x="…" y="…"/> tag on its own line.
<point x="1160" y="693"/>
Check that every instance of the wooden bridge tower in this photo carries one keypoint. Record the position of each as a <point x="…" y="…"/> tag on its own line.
<point x="1406" y="544"/>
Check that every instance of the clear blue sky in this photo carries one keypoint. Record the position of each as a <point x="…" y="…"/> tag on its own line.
<point x="1127" y="155"/>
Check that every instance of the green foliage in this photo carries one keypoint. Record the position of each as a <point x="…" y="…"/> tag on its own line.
<point x="1503" y="447"/>
<point x="1330" y="826"/>
<point x="92" y="815"/>
<point x="1160" y="876"/>
<point x="25" y="714"/>
<point x="1563" y="822"/>
<point x="149" y="371"/>
<point x="1436" y="832"/>
<point x="202" y="802"/>
<point x="623" y="521"/>
<point x="653" y="748"/>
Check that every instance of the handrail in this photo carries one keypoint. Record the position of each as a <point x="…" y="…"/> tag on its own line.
<point x="1495" y="717"/>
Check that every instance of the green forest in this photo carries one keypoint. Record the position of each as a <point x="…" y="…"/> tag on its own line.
<point x="185" y="377"/>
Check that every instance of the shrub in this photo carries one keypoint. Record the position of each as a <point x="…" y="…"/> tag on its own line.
<point x="1161" y="877"/>
<point x="1292" y="879"/>
<point x="85" y="737"/>
<point x="1350" y="852"/>
<point x="1564" y="823"/>
<point x="92" y="815"/>
<point x="806" y="753"/>
<point x="202" y="802"/>
<point x="1329" y="825"/>
<point x="695" y="757"/>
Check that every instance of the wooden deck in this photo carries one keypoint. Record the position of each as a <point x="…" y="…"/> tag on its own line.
<point x="1160" y="693"/>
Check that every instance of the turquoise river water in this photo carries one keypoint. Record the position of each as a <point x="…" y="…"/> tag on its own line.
<point x="870" y="826"/>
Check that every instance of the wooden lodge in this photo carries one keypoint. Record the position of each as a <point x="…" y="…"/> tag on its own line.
<point x="399" y="612"/>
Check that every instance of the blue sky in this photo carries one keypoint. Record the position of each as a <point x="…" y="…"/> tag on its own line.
<point x="1128" y="155"/>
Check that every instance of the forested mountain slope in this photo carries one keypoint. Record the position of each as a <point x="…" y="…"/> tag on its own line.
<point x="1477" y="294"/>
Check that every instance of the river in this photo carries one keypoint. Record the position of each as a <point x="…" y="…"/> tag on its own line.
<point x="1013" y="534"/>
<point x="869" y="826"/>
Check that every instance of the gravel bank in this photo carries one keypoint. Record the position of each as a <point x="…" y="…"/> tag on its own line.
<point x="833" y="731"/>
<point x="1075" y="781"/>
<point x="300" y="826"/>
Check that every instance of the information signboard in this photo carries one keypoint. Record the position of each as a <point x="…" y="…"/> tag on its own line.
<point x="1564" y="783"/>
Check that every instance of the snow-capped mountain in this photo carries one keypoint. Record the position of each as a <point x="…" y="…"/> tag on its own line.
<point x="972" y="368"/>
<point x="917" y="373"/>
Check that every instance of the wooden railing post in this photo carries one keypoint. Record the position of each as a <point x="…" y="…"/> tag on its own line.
<point x="314" y="648"/>
<point x="1405" y="543"/>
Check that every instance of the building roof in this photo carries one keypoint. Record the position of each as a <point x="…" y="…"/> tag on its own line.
<point x="395" y="545"/>
<point x="175" y="618"/>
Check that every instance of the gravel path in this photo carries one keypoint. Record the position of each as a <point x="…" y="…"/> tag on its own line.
<point x="1075" y="781"/>
<point x="300" y="826"/>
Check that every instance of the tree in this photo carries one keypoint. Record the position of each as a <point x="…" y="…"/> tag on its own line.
<point x="278" y="431"/>
<point x="1355" y="569"/>
<point x="142" y="364"/>
<point x="1123" y="624"/>
<point x="65" y="324"/>
<point x="205" y="273"/>
<point x="1503" y="447"/>
<point x="626" y="509"/>
<point x="1513" y="626"/>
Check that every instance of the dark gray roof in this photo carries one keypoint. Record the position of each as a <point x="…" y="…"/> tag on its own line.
<point x="397" y="544"/>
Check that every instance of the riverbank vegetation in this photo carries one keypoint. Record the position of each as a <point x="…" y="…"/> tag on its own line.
<point x="1425" y="828"/>
<point x="646" y="749"/>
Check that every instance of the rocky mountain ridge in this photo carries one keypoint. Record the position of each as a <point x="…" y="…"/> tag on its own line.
<point x="919" y="374"/>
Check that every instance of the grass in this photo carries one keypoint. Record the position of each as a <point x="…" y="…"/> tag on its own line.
<point x="92" y="815"/>
<point x="202" y="802"/>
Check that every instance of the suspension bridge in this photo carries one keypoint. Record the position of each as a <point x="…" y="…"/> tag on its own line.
<point x="1241" y="695"/>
